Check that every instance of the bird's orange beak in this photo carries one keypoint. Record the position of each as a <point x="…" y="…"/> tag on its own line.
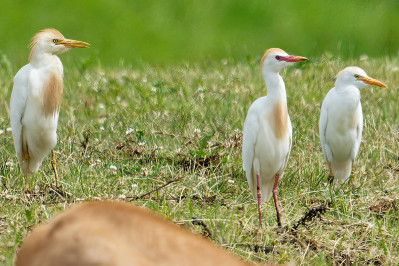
<point x="372" y="81"/>
<point x="293" y="58"/>
<point x="73" y="43"/>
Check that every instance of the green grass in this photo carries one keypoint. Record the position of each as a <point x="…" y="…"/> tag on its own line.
<point x="165" y="106"/>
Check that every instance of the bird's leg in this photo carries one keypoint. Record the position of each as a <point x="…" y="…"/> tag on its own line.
<point x="54" y="163"/>
<point x="330" y="176"/>
<point x="352" y="177"/>
<point x="259" y="200"/>
<point x="26" y="181"/>
<point x="275" y="199"/>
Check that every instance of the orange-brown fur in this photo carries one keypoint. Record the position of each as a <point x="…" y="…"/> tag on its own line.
<point x="280" y="119"/>
<point x="52" y="94"/>
<point x="268" y="51"/>
<point x="106" y="233"/>
<point x="37" y="36"/>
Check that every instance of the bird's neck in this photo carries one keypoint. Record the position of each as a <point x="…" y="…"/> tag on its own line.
<point x="40" y="59"/>
<point x="275" y="85"/>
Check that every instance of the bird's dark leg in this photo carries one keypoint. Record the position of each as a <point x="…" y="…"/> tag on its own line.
<point x="275" y="199"/>
<point x="259" y="200"/>
<point x="330" y="176"/>
<point x="54" y="163"/>
<point x="26" y="181"/>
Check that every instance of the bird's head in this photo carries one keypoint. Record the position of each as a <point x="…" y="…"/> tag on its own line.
<point x="53" y="42"/>
<point x="276" y="59"/>
<point x="357" y="77"/>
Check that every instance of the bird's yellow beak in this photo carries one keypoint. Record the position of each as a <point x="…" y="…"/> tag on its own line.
<point x="372" y="81"/>
<point x="73" y="43"/>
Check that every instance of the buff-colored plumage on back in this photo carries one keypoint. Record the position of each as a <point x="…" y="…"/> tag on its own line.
<point x="40" y="34"/>
<point x="268" y="51"/>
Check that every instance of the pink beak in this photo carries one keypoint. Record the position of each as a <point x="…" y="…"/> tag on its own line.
<point x="293" y="58"/>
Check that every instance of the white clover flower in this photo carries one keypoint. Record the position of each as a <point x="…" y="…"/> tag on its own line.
<point x="9" y="129"/>
<point x="141" y="144"/>
<point x="98" y="161"/>
<point x="134" y="186"/>
<point x="129" y="131"/>
<point x="113" y="167"/>
<point x="102" y="128"/>
<point x="1" y="132"/>
<point x="197" y="130"/>
<point x="153" y="89"/>
<point x="231" y="181"/>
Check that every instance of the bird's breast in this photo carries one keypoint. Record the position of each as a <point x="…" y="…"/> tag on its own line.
<point x="279" y="119"/>
<point x="52" y="94"/>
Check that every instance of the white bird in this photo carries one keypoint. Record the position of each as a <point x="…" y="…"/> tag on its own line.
<point x="341" y="121"/>
<point x="267" y="131"/>
<point x="36" y="99"/>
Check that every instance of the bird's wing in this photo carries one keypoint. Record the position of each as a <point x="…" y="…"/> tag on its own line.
<point x="248" y="144"/>
<point x="17" y="106"/>
<point x="290" y="145"/>
<point x="324" y="120"/>
<point x="359" y="130"/>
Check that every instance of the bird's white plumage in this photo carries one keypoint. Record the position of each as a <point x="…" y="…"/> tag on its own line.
<point x="267" y="129"/>
<point x="36" y="98"/>
<point x="341" y="121"/>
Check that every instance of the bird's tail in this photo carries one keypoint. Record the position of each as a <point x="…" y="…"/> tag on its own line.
<point x="342" y="170"/>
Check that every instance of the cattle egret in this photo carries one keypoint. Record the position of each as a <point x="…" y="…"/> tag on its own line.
<point x="341" y="121"/>
<point x="267" y="131"/>
<point x="106" y="233"/>
<point x="36" y="99"/>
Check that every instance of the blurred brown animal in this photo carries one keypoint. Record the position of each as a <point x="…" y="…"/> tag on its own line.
<point x="110" y="233"/>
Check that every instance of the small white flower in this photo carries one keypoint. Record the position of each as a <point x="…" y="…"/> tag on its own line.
<point x="230" y="181"/>
<point x="197" y="130"/>
<point x="129" y="131"/>
<point x="200" y="89"/>
<point x="102" y="128"/>
<point x="9" y="163"/>
<point x="122" y="197"/>
<point x="141" y="144"/>
<point x="9" y="129"/>
<point x="144" y="80"/>
<point x="1" y="132"/>
<point x="113" y="167"/>
<point x="134" y="186"/>
<point x="98" y="161"/>
<point x="153" y="89"/>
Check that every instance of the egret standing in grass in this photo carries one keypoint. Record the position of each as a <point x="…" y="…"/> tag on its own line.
<point x="341" y="121"/>
<point x="36" y="100"/>
<point x="268" y="132"/>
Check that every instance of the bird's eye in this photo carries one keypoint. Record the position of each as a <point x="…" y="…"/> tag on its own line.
<point x="55" y="41"/>
<point x="357" y="76"/>
<point x="278" y="57"/>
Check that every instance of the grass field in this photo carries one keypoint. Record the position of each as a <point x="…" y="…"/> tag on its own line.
<point x="126" y="131"/>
